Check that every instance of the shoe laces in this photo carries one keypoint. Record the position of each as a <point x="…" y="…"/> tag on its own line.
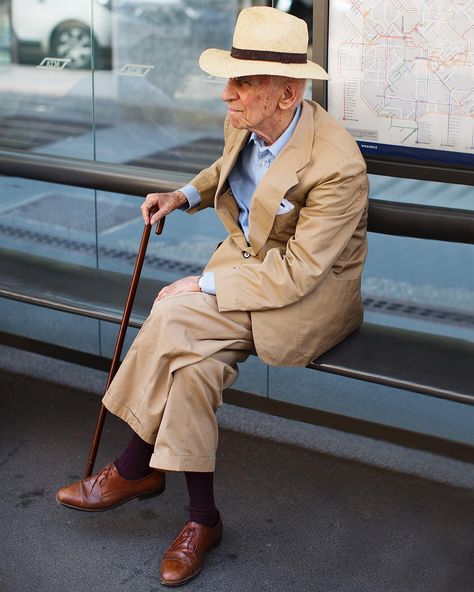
<point x="103" y="475"/>
<point x="187" y="538"/>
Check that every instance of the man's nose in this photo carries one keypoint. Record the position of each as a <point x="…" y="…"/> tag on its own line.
<point x="229" y="94"/>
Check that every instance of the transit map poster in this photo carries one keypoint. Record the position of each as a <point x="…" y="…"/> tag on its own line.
<point x="403" y="77"/>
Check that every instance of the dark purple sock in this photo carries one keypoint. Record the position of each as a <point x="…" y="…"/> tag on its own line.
<point x="134" y="462"/>
<point x="202" y="508"/>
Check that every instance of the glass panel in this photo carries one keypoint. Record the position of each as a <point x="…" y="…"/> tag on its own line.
<point x="183" y="249"/>
<point x="253" y="377"/>
<point x="48" y="220"/>
<point x="373" y="402"/>
<point x="46" y="91"/>
<point x="5" y="33"/>
<point x="47" y="223"/>
<point x="430" y="193"/>
<point x="108" y="337"/>
<point x="421" y="285"/>
<point x="156" y="108"/>
<point x="50" y="326"/>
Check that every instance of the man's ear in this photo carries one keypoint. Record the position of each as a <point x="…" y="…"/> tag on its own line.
<point x="289" y="95"/>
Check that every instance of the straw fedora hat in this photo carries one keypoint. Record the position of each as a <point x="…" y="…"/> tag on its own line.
<point x="266" y="41"/>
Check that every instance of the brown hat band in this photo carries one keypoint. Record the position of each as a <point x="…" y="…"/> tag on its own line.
<point x="269" y="56"/>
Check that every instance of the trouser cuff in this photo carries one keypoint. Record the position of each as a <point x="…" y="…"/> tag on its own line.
<point x="197" y="464"/>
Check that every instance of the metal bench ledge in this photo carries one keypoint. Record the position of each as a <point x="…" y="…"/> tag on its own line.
<point x="420" y="362"/>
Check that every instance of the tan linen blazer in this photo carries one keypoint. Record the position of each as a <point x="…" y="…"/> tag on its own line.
<point x="299" y="275"/>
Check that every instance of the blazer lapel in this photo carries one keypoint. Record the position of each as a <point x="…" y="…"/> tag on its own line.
<point x="281" y="176"/>
<point x="225" y="204"/>
<point x="228" y="212"/>
<point x="229" y="158"/>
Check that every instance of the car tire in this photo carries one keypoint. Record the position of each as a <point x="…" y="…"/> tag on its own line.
<point x="74" y="41"/>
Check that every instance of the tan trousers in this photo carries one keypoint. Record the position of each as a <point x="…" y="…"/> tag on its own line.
<point x="170" y="383"/>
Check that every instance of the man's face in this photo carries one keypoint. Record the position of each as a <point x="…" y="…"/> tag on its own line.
<point x="252" y="102"/>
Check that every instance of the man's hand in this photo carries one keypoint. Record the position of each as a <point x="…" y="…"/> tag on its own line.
<point x="165" y="202"/>
<point x="184" y="286"/>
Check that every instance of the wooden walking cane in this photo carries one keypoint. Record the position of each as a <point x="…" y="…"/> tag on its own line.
<point x="120" y="339"/>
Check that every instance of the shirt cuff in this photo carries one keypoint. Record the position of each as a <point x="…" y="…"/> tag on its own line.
<point x="208" y="283"/>
<point x="192" y="195"/>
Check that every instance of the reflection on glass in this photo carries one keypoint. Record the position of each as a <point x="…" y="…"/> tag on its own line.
<point x="5" y="33"/>
<point x="156" y="108"/>
<point x="48" y="220"/>
<point x="46" y="84"/>
<point x="50" y="326"/>
<point x="431" y="193"/>
<point x="63" y="30"/>
<point x="153" y="105"/>
<point x="45" y="230"/>
<point x="183" y="249"/>
<point x="372" y="402"/>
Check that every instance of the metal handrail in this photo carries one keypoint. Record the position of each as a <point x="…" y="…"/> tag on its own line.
<point x="91" y="174"/>
<point x="421" y="221"/>
<point x="385" y="217"/>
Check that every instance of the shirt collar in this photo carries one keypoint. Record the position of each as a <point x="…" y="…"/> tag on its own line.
<point x="279" y="144"/>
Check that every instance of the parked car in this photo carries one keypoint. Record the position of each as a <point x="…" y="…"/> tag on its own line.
<point x="163" y="31"/>
<point x="54" y="28"/>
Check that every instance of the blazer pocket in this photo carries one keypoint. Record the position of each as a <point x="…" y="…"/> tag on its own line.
<point x="284" y="224"/>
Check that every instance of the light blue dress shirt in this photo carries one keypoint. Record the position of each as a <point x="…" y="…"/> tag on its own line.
<point x="252" y="163"/>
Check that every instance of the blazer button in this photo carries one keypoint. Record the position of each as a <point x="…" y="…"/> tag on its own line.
<point x="246" y="255"/>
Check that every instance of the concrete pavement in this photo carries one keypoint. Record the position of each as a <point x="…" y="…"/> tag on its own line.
<point x="305" y="508"/>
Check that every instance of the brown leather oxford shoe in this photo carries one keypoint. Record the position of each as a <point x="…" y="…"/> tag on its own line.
<point x="183" y="559"/>
<point x="108" y="489"/>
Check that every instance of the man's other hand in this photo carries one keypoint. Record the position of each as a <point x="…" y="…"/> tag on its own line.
<point x="184" y="286"/>
<point x="164" y="202"/>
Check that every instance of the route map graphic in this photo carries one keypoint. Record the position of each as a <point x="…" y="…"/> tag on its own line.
<point x="403" y="76"/>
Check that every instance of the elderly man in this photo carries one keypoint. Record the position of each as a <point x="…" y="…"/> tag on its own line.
<point x="291" y="190"/>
